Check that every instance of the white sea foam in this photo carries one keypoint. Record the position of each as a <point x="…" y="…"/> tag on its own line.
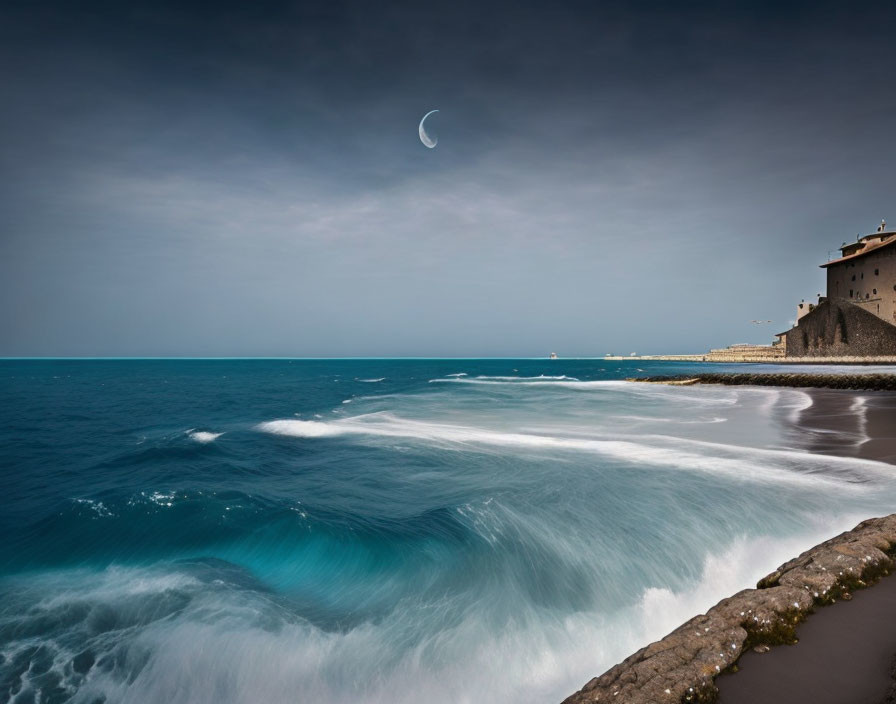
<point x="203" y="436"/>
<point x="98" y="507"/>
<point x="62" y="590"/>
<point x="803" y="402"/>
<point x="741" y="565"/>
<point x="540" y="377"/>
<point x="492" y="380"/>
<point x="859" y="406"/>
<point x="159" y="498"/>
<point x="737" y="462"/>
<point x="851" y="468"/>
<point x="302" y="428"/>
<point x="674" y="394"/>
<point x="678" y="421"/>
<point x="371" y="381"/>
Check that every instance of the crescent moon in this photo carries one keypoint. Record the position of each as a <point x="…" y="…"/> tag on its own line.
<point x="424" y="137"/>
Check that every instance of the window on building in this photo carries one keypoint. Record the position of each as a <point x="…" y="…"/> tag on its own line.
<point x="850" y="291"/>
<point x="863" y="275"/>
<point x="874" y="291"/>
<point x="853" y="277"/>
<point x="867" y="295"/>
<point x="877" y="272"/>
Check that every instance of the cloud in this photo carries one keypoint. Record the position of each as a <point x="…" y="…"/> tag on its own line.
<point x="607" y="180"/>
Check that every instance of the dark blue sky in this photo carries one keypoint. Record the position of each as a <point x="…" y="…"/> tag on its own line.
<point x="246" y="179"/>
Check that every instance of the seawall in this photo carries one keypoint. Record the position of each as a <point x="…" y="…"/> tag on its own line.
<point x="752" y="359"/>
<point x="861" y="382"/>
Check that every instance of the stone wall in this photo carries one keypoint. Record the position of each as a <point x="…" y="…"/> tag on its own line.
<point x="868" y="281"/>
<point x="746" y="353"/>
<point x="839" y="380"/>
<point x="837" y="328"/>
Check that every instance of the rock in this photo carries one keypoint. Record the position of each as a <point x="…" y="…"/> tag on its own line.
<point x="761" y="649"/>
<point x="682" y="666"/>
<point x="868" y="382"/>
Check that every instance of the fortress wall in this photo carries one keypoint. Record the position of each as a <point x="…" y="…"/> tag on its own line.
<point x="837" y="328"/>
<point x="744" y="353"/>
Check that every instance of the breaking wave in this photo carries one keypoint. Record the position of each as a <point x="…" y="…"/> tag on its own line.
<point x="203" y="436"/>
<point x="205" y="631"/>
<point x="741" y="463"/>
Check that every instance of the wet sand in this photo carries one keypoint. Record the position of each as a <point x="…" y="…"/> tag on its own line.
<point x="845" y="655"/>
<point x="849" y="423"/>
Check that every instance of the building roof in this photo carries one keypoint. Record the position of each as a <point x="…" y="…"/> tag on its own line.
<point x="869" y="247"/>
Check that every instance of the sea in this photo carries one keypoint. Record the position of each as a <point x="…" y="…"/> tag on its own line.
<point x="392" y="531"/>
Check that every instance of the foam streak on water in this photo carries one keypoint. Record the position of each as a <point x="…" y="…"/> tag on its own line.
<point x="464" y="531"/>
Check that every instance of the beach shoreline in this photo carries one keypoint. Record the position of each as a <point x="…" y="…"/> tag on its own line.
<point x="857" y="382"/>
<point x="809" y="599"/>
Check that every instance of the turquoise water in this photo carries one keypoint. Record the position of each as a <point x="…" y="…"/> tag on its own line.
<point x="382" y="530"/>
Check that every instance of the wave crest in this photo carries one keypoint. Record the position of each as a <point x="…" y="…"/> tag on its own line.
<point x="203" y="436"/>
<point x="737" y="462"/>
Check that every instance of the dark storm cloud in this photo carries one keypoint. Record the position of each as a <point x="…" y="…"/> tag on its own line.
<point x="226" y="178"/>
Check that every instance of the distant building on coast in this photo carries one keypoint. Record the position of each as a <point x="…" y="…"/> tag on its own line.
<point x="857" y="315"/>
<point x="743" y="352"/>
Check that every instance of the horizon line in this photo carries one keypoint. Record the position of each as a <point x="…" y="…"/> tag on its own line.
<point x="289" y="358"/>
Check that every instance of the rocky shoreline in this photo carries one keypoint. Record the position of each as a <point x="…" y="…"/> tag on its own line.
<point x="682" y="666"/>
<point x="859" y="382"/>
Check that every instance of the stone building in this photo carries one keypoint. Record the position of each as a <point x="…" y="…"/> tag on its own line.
<point x="743" y="352"/>
<point x="857" y="317"/>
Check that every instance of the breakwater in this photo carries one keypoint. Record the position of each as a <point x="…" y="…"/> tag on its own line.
<point x="862" y="382"/>
<point x="727" y="357"/>
<point x="682" y="666"/>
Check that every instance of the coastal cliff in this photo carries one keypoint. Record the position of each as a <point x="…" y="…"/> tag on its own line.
<point x="682" y="666"/>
